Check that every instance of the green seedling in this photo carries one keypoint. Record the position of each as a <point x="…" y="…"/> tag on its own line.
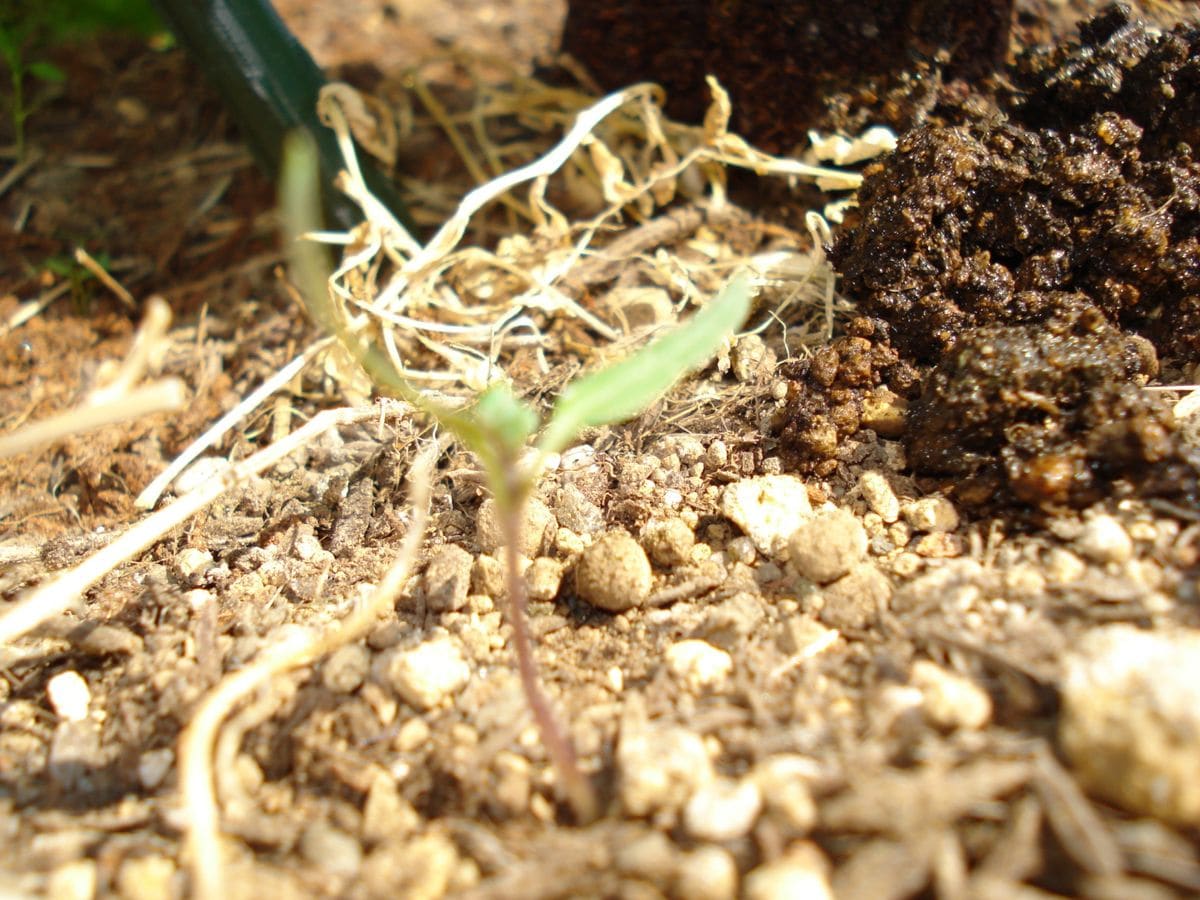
<point x="21" y="72"/>
<point x="498" y="426"/>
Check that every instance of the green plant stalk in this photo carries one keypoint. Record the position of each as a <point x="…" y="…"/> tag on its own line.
<point x="498" y="426"/>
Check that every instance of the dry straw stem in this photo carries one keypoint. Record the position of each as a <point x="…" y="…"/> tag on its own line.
<point x="148" y="497"/>
<point x="56" y="595"/>
<point x="117" y="399"/>
<point x="300" y="647"/>
<point x="418" y="298"/>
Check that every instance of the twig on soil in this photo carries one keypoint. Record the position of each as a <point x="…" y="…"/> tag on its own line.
<point x="56" y="595"/>
<point x="301" y="647"/>
<point x="147" y="498"/>
<point x="86" y="260"/>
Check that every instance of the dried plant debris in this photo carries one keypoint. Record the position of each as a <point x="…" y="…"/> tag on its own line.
<point x="1040" y="262"/>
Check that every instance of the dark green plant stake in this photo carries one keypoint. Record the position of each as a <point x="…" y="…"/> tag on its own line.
<point x="269" y="84"/>
<point x="497" y="427"/>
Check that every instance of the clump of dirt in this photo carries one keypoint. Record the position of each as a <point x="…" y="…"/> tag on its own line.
<point x="1008" y="253"/>
<point x="1063" y="402"/>
<point x="791" y="65"/>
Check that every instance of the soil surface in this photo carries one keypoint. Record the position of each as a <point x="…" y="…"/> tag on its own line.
<point x="909" y="612"/>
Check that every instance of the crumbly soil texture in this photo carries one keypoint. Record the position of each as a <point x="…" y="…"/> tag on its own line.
<point x="908" y="611"/>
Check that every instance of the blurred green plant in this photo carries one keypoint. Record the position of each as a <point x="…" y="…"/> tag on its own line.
<point x="29" y="29"/>
<point x="498" y="426"/>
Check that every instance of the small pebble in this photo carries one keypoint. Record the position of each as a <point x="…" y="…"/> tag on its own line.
<point x="855" y="601"/>
<point x="1063" y="567"/>
<point x="783" y="780"/>
<point x="69" y="696"/>
<point x="938" y="545"/>
<point x="447" y="578"/>
<point x="768" y="509"/>
<point x="1130" y="719"/>
<point x="543" y="578"/>
<point x="931" y="514"/>
<point x="331" y="849"/>
<point x="828" y="545"/>
<point x="536" y="521"/>
<point x="386" y="814"/>
<point x="72" y="881"/>
<point x="723" y="810"/>
<point x="707" y="873"/>
<point x="614" y="573"/>
<point x="577" y="513"/>
<point x="146" y="878"/>
<point x="428" y="674"/>
<point x="950" y="701"/>
<point x="649" y="855"/>
<point x="153" y="766"/>
<point x="668" y="542"/>
<point x="699" y="664"/>
<point x="800" y="874"/>
<point x="879" y="496"/>
<point x="659" y="767"/>
<point x="1104" y="540"/>
<point x="191" y="562"/>
<point x="346" y="668"/>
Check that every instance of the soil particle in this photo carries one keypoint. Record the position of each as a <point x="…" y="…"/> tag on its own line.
<point x="879" y="496"/>
<point x="801" y="872"/>
<point x="1104" y="539"/>
<point x="1131" y="710"/>
<point x="949" y="700"/>
<point x="659" y="766"/>
<point x="346" y="668"/>
<point x="768" y="509"/>
<point x="708" y="873"/>
<point x="855" y="601"/>
<point x="828" y="545"/>
<point x="614" y="573"/>
<point x="447" y="578"/>
<point x="723" y="810"/>
<point x="537" y="526"/>
<point x="426" y="675"/>
<point x="668" y="542"/>
<point x="699" y="665"/>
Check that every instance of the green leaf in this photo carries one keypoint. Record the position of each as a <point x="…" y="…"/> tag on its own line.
<point x="624" y="389"/>
<point x="47" y="72"/>
<point x="508" y="420"/>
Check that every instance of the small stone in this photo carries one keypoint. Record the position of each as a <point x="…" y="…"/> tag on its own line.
<point x="659" y="767"/>
<point x="717" y="455"/>
<point x="614" y="573"/>
<point x="487" y="577"/>
<point x="884" y="412"/>
<point x="938" y="545"/>
<point x="950" y="701"/>
<point x="69" y="696"/>
<point x="191" y="562"/>
<point x="331" y="849"/>
<point x="146" y="878"/>
<point x="855" y="601"/>
<point x="723" y="810"/>
<point x="1063" y="567"/>
<point x="931" y="514"/>
<point x="537" y="523"/>
<point x="783" y="780"/>
<point x="413" y="735"/>
<point x="768" y="509"/>
<point x="346" y="668"/>
<point x="707" y="873"/>
<point x="699" y="664"/>
<point x="1130" y="717"/>
<point x="879" y="496"/>
<point x="751" y="359"/>
<point x="1104" y="540"/>
<point x="543" y="578"/>
<point x="153" y="766"/>
<point x="514" y="784"/>
<point x="668" y="542"/>
<point x="648" y="855"/>
<point x="428" y="674"/>
<point x="447" y="578"/>
<point x="386" y="814"/>
<point x="577" y="513"/>
<point x="800" y="874"/>
<point x="828" y="545"/>
<point x="72" y="881"/>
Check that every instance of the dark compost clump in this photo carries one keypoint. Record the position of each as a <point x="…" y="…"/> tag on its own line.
<point x="1039" y="262"/>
